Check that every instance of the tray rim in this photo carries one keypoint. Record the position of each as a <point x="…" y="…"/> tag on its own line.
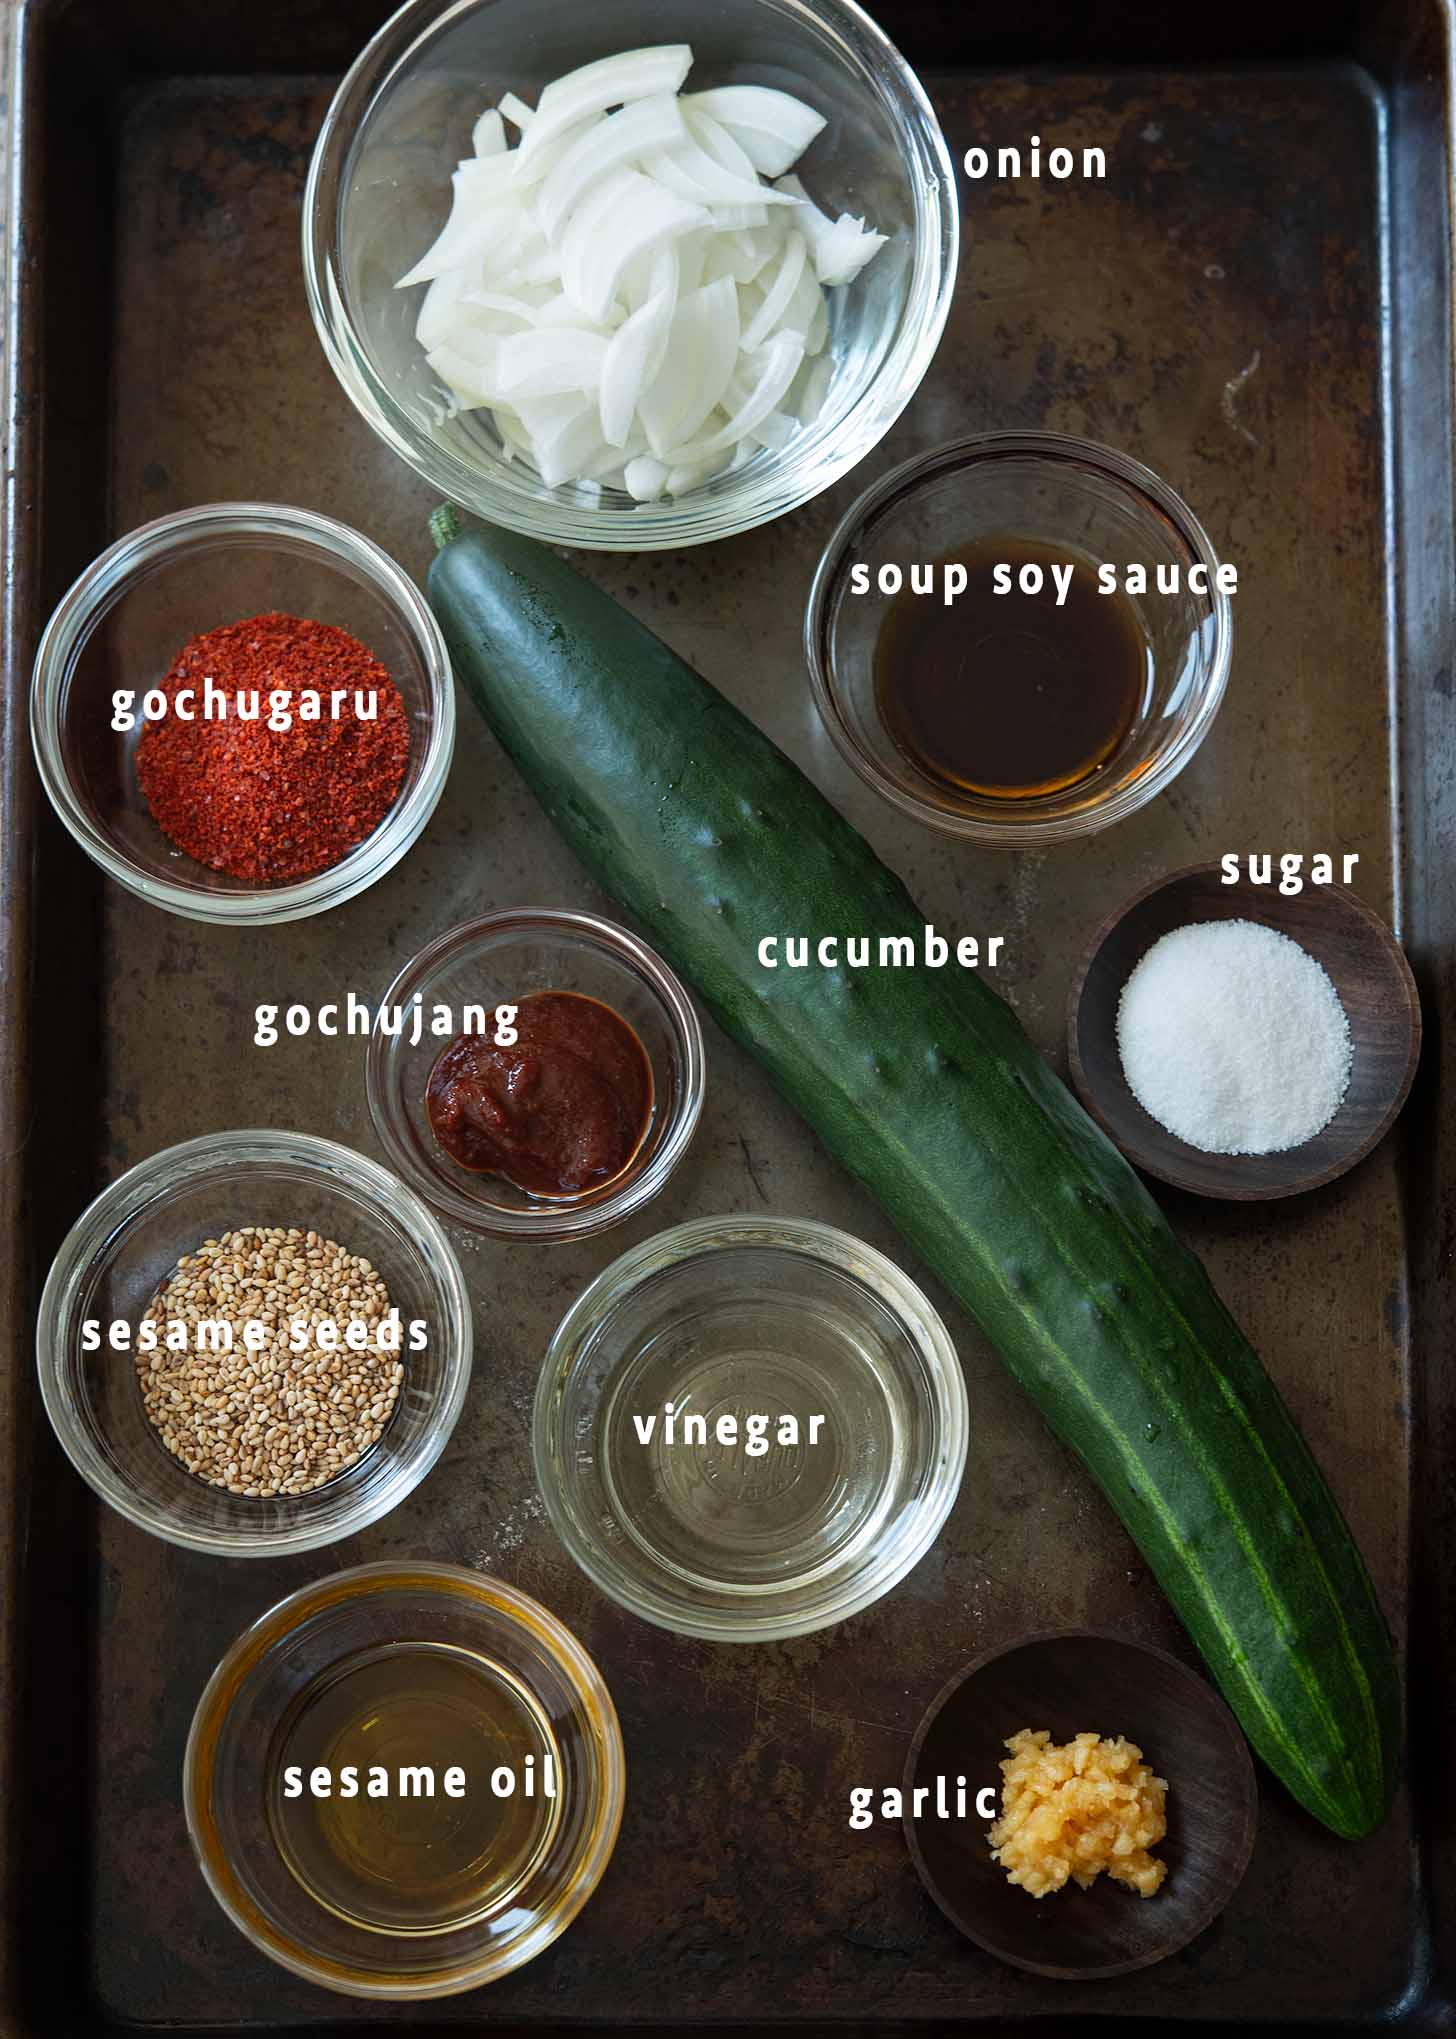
<point x="19" y="591"/>
<point x="24" y="25"/>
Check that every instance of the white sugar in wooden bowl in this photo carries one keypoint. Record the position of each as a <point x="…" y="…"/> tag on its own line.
<point x="1249" y="1051"/>
<point x="1233" y="1037"/>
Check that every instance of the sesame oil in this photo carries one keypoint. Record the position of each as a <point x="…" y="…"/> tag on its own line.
<point x="400" y="1857"/>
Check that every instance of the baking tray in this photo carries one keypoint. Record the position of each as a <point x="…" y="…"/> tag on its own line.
<point x="1257" y="302"/>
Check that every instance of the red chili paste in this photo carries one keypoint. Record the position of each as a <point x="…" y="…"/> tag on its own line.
<point x="560" y="1111"/>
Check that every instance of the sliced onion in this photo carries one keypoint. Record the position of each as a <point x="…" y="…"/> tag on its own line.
<point x="812" y="223"/>
<point x="626" y="217"/>
<point x="611" y="81"/>
<point x="777" y="365"/>
<point x="611" y="464"/>
<point x="441" y="309"/>
<point x="736" y="219"/>
<point x="489" y="137"/>
<point x="692" y="259"/>
<point x="809" y="399"/>
<point x="714" y="138"/>
<point x="500" y="250"/>
<point x="552" y="361"/>
<point x="562" y="436"/>
<point x="702" y="348"/>
<point x="773" y="430"/>
<point x="648" y="274"/>
<point x="479" y="208"/>
<point x="723" y="258"/>
<point x="840" y="247"/>
<point x="644" y="478"/>
<point x="848" y="245"/>
<point x="465" y="378"/>
<point x="772" y="128"/>
<point x="503" y="305"/>
<point x="729" y="255"/>
<point x="543" y="362"/>
<point x="632" y="361"/>
<point x="691" y="172"/>
<point x="639" y="131"/>
<point x="763" y="243"/>
<point x="480" y="346"/>
<point x="778" y="293"/>
<point x="682" y="480"/>
<point x="541" y="265"/>
<point x="624" y="293"/>
<point x="818" y="331"/>
<point x="804" y="307"/>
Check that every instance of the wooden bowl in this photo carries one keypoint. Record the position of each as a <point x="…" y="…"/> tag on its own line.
<point x="1073" y="1682"/>
<point x="1364" y="963"/>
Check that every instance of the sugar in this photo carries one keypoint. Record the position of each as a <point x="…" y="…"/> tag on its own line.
<point x="1233" y="1037"/>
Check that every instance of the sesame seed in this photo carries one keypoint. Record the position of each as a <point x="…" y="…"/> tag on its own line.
<point x="222" y="1410"/>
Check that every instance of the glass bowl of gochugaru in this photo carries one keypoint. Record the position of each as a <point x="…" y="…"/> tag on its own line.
<point x="243" y="712"/>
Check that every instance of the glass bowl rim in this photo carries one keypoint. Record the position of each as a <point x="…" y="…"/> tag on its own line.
<point x="908" y="478"/>
<point x="550" y="1223"/>
<point x="194" y="1160"/>
<point x="949" y="1406"/>
<point x="589" y="1688"/>
<point x="100" y="586"/>
<point x="782" y="486"/>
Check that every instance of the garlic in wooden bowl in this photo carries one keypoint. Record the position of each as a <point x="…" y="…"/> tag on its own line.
<point x="1072" y="1811"/>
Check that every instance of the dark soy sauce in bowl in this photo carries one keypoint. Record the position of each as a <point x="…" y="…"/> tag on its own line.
<point x="1011" y="696"/>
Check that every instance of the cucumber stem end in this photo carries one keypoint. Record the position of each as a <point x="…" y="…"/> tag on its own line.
<point x="445" y="525"/>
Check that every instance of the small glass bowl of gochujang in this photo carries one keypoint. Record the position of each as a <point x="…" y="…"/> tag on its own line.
<point x="535" y="1074"/>
<point x="243" y="713"/>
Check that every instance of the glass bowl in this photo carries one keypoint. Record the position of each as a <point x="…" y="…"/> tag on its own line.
<point x="730" y="1320"/>
<point x="1090" y="505"/>
<point x="130" y="613"/>
<point x="495" y="960"/>
<point x="124" y="1247"/>
<point x="358" y="1621"/>
<point x="379" y="190"/>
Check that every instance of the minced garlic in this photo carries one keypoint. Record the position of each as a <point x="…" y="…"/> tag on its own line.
<point x="1074" y="1810"/>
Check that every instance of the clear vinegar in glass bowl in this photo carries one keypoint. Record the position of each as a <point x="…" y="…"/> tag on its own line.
<point x="803" y="1473"/>
<point x="750" y="1428"/>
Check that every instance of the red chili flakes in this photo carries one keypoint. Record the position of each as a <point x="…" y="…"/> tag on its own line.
<point x="274" y="805"/>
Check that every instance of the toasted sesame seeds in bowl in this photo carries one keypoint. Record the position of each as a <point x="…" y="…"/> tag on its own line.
<point x="254" y="1429"/>
<point x="284" y="1409"/>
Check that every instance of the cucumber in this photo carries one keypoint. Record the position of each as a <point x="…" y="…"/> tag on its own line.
<point x="924" y="1085"/>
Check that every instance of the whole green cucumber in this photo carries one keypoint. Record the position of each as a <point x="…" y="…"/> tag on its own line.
<point x="924" y="1085"/>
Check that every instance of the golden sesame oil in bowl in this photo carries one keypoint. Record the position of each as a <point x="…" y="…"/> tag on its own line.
<point x="450" y="1770"/>
<point x="401" y="1673"/>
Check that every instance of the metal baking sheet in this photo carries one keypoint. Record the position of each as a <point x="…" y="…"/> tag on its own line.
<point x="1257" y="303"/>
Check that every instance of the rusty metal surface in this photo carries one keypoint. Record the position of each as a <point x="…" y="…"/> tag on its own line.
<point x="1214" y="309"/>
